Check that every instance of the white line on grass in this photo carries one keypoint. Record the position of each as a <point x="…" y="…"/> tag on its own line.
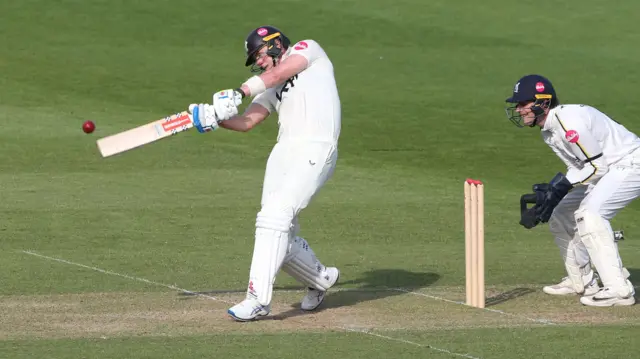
<point x="411" y="343"/>
<point x="144" y="280"/>
<point x="543" y="321"/>
<point x="173" y="287"/>
<point x="104" y="271"/>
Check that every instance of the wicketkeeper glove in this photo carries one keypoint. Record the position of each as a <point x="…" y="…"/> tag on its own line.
<point x="528" y="216"/>
<point x="559" y="186"/>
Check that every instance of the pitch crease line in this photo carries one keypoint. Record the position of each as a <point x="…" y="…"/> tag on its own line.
<point x="537" y="320"/>
<point x="138" y="279"/>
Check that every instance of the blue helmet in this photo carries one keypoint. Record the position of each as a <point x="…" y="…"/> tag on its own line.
<point x="531" y="88"/>
<point x="261" y="37"/>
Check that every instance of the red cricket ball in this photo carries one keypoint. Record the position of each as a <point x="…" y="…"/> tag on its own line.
<point x="88" y="126"/>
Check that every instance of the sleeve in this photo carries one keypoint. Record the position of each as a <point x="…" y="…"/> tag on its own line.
<point x="310" y="49"/>
<point x="563" y="157"/>
<point x="585" y="147"/>
<point x="264" y="100"/>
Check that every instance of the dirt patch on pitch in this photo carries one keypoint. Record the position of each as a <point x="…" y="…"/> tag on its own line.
<point x="170" y="314"/>
<point x="106" y="315"/>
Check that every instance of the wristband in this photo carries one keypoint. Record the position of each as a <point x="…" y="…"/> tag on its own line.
<point x="241" y="92"/>
<point x="256" y="85"/>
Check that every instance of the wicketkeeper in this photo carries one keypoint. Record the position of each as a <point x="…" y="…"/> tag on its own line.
<point x="603" y="176"/>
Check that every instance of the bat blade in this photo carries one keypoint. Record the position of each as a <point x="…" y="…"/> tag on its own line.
<point x="145" y="134"/>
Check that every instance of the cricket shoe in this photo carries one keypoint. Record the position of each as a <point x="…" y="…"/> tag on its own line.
<point x="608" y="297"/>
<point x="248" y="309"/>
<point x="566" y="287"/>
<point x="314" y="297"/>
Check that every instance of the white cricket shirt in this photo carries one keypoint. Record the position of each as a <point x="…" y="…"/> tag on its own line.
<point x="587" y="141"/>
<point x="307" y="104"/>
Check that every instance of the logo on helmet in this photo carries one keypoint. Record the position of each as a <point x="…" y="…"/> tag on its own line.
<point x="572" y="136"/>
<point x="515" y="88"/>
<point x="539" y="87"/>
<point x="262" y="31"/>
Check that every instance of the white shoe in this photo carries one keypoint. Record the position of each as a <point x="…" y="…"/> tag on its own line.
<point x="607" y="297"/>
<point x="314" y="297"/>
<point x="566" y="287"/>
<point x="248" y="309"/>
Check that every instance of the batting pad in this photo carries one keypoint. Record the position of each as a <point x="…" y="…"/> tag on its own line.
<point x="574" y="255"/>
<point x="301" y="263"/>
<point x="575" y="270"/>
<point x="268" y="254"/>
<point x="597" y="236"/>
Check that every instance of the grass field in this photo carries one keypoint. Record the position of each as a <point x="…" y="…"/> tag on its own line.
<point x="97" y="255"/>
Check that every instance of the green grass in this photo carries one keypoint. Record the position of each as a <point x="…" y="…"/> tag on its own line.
<point x="422" y="85"/>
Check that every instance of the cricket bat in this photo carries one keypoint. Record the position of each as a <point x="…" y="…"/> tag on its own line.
<point x="142" y="135"/>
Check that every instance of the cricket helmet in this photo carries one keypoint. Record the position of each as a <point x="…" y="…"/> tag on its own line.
<point x="264" y="36"/>
<point x="531" y="88"/>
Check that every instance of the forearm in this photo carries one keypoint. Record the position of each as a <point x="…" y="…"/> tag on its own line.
<point x="269" y="79"/>
<point x="237" y="123"/>
<point x="254" y="114"/>
<point x="275" y="76"/>
<point x="586" y="175"/>
<point x="590" y="173"/>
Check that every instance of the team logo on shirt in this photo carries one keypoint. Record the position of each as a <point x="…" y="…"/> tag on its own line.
<point x="572" y="136"/>
<point x="301" y="45"/>
<point x="539" y="87"/>
<point x="285" y="88"/>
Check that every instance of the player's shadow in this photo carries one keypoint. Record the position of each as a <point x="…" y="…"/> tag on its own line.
<point x="373" y="285"/>
<point x="634" y="274"/>
<point x="634" y="277"/>
<point x="508" y="295"/>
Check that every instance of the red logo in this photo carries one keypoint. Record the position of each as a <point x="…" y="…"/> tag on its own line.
<point x="173" y="122"/>
<point x="301" y="45"/>
<point x="253" y="291"/>
<point x="539" y="87"/>
<point x="572" y="136"/>
<point x="262" y="31"/>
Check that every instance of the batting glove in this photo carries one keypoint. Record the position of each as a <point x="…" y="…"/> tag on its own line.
<point x="226" y="104"/>
<point x="203" y="117"/>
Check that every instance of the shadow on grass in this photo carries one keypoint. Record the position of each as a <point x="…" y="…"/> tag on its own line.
<point x="635" y="279"/>
<point x="509" y="295"/>
<point x="372" y="285"/>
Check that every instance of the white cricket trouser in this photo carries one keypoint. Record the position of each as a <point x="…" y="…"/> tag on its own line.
<point x="601" y="201"/>
<point x="295" y="171"/>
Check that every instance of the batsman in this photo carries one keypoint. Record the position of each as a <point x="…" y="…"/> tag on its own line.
<point x="602" y="178"/>
<point x="297" y="82"/>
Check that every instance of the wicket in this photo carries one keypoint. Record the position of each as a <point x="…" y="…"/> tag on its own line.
<point x="474" y="242"/>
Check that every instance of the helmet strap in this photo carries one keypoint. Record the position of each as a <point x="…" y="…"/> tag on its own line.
<point x="538" y="109"/>
<point x="273" y="50"/>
